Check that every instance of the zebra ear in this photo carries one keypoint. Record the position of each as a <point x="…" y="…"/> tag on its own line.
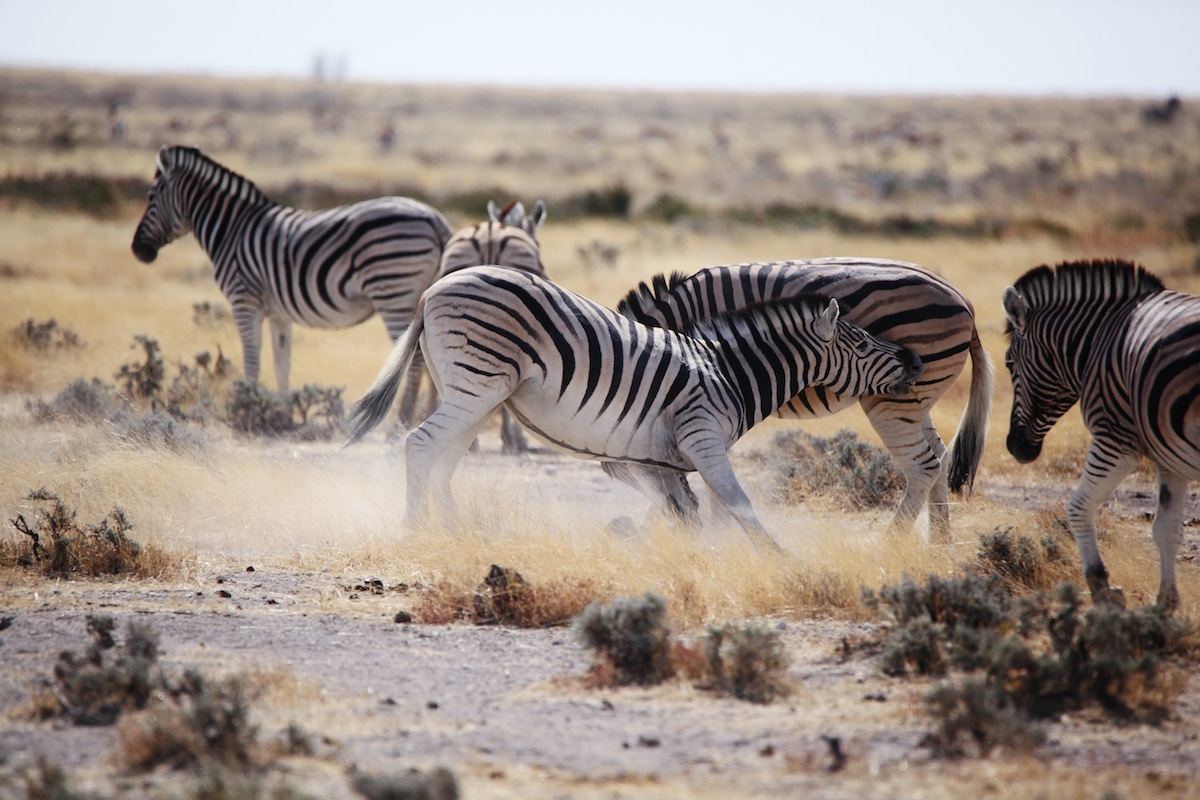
<point x="164" y="162"/>
<point x="825" y="326"/>
<point x="535" y="219"/>
<point x="493" y="214"/>
<point x="1016" y="309"/>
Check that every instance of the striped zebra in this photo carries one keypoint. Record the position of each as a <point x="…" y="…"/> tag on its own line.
<point x="1109" y="336"/>
<point x="509" y="239"/>
<point x="893" y="300"/>
<point x="597" y="385"/>
<point x="325" y="269"/>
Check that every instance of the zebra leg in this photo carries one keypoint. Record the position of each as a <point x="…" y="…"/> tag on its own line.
<point x="281" y="349"/>
<point x="667" y="490"/>
<point x="512" y="435"/>
<point x="248" y="319"/>
<point x="433" y="450"/>
<point x="1168" y="531"/>
<point x="910" y="446"/>
<point x="1103" y="470"/>
<point x="939" y="493"/>
<point x="711" y="460"/>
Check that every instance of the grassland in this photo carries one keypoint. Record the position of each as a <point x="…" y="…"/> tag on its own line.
<point x="978" y="189"/>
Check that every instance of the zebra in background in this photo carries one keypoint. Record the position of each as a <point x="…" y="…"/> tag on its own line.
<point x="892" y="300"/>
<point x="1108" y="335"/>
<point x="325" y="269"/>
<point x="509" y="239"/>
<point x="597" y="385"/>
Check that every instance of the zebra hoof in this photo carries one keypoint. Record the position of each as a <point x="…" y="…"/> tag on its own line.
<point x="622" y="528"/>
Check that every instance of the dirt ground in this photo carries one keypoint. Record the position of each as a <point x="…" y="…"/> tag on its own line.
<point x="507" y="709"/>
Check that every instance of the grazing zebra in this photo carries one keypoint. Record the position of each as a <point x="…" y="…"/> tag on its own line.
<point x="509" y="239"/>
<point x="597" y="385"/>
<point x="324" y="269"/>
<point x="1107" y="335"/>
<point x="893" y="300"/>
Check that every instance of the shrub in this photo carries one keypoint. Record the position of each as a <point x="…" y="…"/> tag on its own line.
<point x="199" y="721"/>
<point x="506" y="598"/>
<point x="1030" y="658"/>
<point x="749" y="662"/>
<point x="669" y="208"/>
<point x="861" y="474"/>
<point x="145" y="380"/>
<point x="58" y="546"/>
<point x="613" y="201"/>
<point x="45" y="337"/>
<point x="438" y="784"/>
<point x="80" y="401"/>
<point x="631" y="640"/>
<point x="96" y="687"/>
<point x="254" y="409"/>
<point x="1023" y="563"/>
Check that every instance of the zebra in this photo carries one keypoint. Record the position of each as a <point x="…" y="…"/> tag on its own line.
<point x="1109" y="336"/>
<point x="892" y="300"/>
<point x="325" y="269"/>
<point x="508" y="238"/>
<point x="597" y="385"/>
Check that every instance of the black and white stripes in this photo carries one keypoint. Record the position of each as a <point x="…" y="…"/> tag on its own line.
<point x="324" y="269"/>
<point x="598" y="385"/>
<point x="893" y="300"/>
<point x="1108" y="335"/>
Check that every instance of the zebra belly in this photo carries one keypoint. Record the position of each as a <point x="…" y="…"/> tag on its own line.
<point x="583" y="435"/>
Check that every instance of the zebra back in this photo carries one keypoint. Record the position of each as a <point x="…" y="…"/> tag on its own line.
<point x="508" y="238"/>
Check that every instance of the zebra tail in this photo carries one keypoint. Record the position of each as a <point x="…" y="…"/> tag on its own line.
<point x="966" y="451"/>
<point x="370" y="410"/>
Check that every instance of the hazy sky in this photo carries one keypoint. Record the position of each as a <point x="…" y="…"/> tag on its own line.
<point x="1139" y="47"/>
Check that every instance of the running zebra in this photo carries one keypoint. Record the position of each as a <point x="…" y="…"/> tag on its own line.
<point x="892" y="300"/>
<point x="597" y="385"/>
<point x="509" y="239"/>
<point x="324" y="269"/>
<point x="1108" y="335"/>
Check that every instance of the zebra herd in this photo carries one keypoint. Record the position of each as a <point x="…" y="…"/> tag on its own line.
<point x="664" y="385"/>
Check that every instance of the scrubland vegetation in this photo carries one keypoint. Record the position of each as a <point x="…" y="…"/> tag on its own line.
<point x="140" y="475"/>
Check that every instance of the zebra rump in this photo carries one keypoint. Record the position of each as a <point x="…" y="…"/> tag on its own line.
<point x="1109" y="336"/>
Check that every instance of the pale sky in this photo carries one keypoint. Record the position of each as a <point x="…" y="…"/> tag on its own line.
<point x="1147" y="48"/>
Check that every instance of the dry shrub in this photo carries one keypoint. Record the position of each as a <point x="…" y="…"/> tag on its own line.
<point x="631" y="639"/>
<point x="1026" y="565"/>
<point x="50" y="783"/>
<point x="439" y="783"/>
<point x="45" y="337"/>
<point x="198" y="721"/>
<point x="749" y="662"/>
<point x="97" y="686"/>
<point x="80" y="401"/>
<point x="57" y="545"/>
<point x="506" y="598"/>
<point x="858" y="474"/>
<point x="1029" y="658"/>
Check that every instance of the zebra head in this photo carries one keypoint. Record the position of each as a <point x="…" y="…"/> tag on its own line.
<point x="1041" y="391"/>
<point x="514" y="214"/>
<point x="858" y="363"/>
<point x="163" y="221"/>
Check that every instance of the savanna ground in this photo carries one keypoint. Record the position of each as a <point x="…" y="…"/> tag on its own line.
<point x="280" y="560"/>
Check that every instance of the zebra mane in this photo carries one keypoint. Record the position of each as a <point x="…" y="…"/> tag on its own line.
<point x="192" y="160"/>
<point x="646" y="295"/>
<point x="1099" y="281"/>
<point x="811" y="304"/>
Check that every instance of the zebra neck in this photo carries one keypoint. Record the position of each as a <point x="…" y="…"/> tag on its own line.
<point x="759" y="378"/>
<point x="217" y="202"/>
